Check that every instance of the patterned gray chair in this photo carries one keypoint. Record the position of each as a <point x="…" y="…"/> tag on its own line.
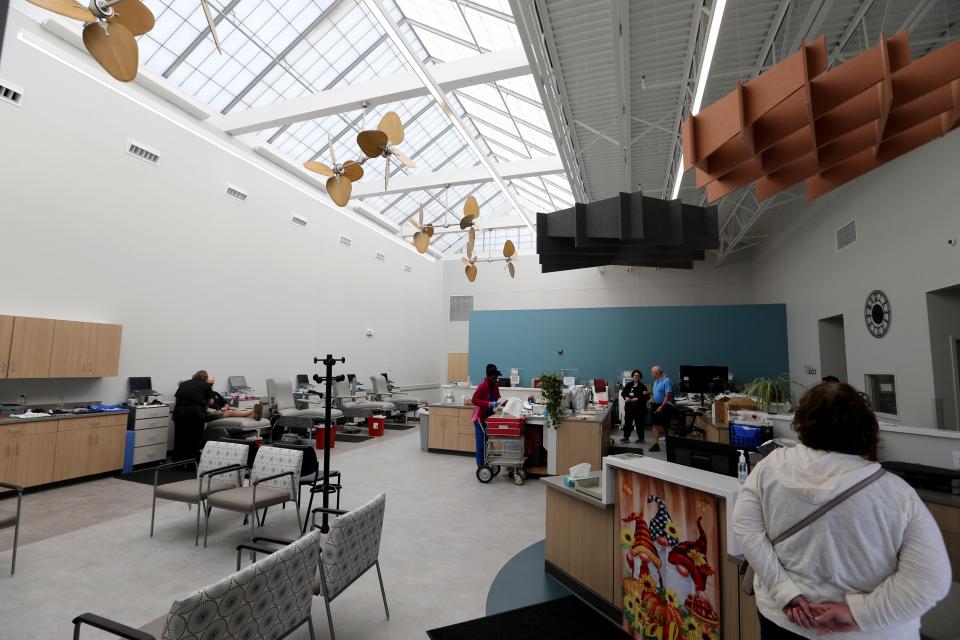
<point x="351" y="549"/>
<point x="268" y="600"/>
<point x="274" y="479"/>
<point x="8" y="520"/>
<point x="222" y="460"/>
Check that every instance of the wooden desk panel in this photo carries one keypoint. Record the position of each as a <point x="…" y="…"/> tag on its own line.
<point x="578" y="537"/>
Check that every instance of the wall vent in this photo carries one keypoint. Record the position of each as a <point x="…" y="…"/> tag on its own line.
<point x="10" y="94"/>
<point x="300" y="222"/>
<point x="460" y="308"/>
<point x="345" y="240"/>
<point x="381" y="256"/>
<point x="846" y="235"/>
<point x="407" y="268"/>
<point x="137" y="150"/>
<point x="235" y="193"/>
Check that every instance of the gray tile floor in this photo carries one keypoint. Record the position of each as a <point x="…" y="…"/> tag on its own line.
<point x="446" y="536"/>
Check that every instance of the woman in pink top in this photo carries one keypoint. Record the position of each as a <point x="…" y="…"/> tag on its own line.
<point x="485" y="400"/>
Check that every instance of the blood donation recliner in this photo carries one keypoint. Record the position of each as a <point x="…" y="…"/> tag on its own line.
<point x="280" y="394"/>
<point x="383" y="390"/>
<point x="355" y="407"/>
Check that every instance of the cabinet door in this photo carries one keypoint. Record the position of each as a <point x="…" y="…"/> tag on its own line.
<point x="6" y="336"/>
<point x="70" y="354"/>
<point x="451" y="433"/>
<point x="72" y="457"/>
<point x="435" y="435"/>
<point x="8" y="455"/>
<point x="30" y="348"/>
<point x="107" y="447"/>
<point x="104" y="358"/>
<point x="34" y="459"/>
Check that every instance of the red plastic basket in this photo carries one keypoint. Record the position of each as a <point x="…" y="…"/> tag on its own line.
<point x="505" y="427"/>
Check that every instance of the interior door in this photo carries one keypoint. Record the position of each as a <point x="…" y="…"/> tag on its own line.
<point x="6" y="337"/>
<point x="30" y="348"/>
<point x="456" y="367"/>
<point x="70" y="354"/>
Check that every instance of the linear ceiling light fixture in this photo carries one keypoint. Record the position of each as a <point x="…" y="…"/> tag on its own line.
<point x="716" y="17"/>
<point x="393" y="31"/>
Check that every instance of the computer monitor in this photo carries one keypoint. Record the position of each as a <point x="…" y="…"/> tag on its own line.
<point x="503" y="382"/>
<point x="700" y="454"/>
<point x="237" y="382"/>
<point x="140" y="384"/>
<point x="702" y="378"/>
<point x="303" y="380"/>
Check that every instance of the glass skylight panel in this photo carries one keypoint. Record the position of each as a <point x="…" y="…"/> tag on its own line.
<point x="439" y="14"/>
<point x="490" y="32"/>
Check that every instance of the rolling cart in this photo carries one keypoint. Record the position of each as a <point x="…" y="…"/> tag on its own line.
<point x="503" y="446"/>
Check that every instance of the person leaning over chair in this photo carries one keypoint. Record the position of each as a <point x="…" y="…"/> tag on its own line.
<point x="870" y="566"/>
<point x="635" y="398"/>
<point x="189" y="415"/>
<point x="662" y="407"/>
<point x="485" y="400"/>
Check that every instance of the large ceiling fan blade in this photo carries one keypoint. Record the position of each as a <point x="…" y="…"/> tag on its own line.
<point x="421" y="241"/>
<point x="471" y="207"/>
<point x="471" y="271"/>
<point x="352" y="170"/>
<point x="465" y="260"/>
<point x="471" y="241"/>
<point x="114" y="47"/>
<point x="372" y="143"/>
<point x="402" y="157"/>
<point x="428" y="230"/>
<point x="134" y="15"/>
<point x="509" y="249"/>
<point x="390" y="124"/>
<point x="318" y="167"/>
<point x="339" y="190"/>
<point x="465" y="222"/>
<point x="211" y="23"/>
<point x="67" y="8"/>
<point x="513" y="270"/>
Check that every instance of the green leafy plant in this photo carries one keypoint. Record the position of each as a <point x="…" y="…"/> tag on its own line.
<point x="769" y="391"/>
<point x="551" y="389"/>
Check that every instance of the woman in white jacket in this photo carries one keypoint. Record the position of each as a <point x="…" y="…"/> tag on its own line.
<point x="869" y="567"/>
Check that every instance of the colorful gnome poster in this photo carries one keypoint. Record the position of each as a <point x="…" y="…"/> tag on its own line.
<point x="669" y="559"/>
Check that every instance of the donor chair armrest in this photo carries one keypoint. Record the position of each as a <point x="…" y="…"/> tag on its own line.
<point x="110" y="626"/>
<point x="14" y="487"/>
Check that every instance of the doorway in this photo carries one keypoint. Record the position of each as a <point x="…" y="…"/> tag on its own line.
<point x="833" y="348"/>
<point x="943" y="315"/>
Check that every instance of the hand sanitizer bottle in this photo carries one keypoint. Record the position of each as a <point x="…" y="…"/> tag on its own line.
<point x="742" y="468"/>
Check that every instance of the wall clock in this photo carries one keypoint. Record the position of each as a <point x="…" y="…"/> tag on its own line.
<point x="876" y="313"/>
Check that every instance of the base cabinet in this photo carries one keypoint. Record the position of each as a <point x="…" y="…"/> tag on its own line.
<point x="451" y="429"/>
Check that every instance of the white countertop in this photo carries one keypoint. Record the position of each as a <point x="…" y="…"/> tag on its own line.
<point x="722" y="486"/>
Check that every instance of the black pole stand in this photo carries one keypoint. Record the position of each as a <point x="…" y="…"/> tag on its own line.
<point x="329" y="379"/>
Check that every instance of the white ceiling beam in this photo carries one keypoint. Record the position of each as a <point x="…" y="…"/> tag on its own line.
<point x="460" y="176"/>
<point x="487" y="67"/>
<point x="620" y="15"/>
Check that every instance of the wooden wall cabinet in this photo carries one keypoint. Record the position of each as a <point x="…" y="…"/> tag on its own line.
<point x="45" y="348"/>
<point x="30" y="348"/>
<point x="6" y="337"/>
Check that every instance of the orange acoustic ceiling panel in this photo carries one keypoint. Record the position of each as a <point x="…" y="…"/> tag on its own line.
<point x="799" y="122"/>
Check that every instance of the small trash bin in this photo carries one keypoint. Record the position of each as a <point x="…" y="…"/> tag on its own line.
<point x="375" y="425"/>
<point x="318" y="432"/>
<point x="424" y="428"/>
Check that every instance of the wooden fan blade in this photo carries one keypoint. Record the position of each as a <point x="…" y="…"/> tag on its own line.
<point x="114" y="47"/>
<point x="390" y="124"/>
<point x="465" y="222"/>
<point x="211" y="23"/>
<point x="352" y="170"/>
<point x="339" y="190"/>
<point x="471" y="241"/>
<point x="508" y="249"/>
<point x="134" y="15"/>
<point x="428" y="230"/>
<point x="465" y="260"/>
<point x="402" y="157"/>
<point x="421" y="241"/>
<point x="372" y="143"/>
<point x="512" y="269"/>
<point x="471" y="272"/>
<point x="318" y="167"/>
<point x="471" y="207"/>
<point x="67" y="8"/>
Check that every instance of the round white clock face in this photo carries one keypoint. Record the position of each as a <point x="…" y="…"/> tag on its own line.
<point x="876" y="313"/>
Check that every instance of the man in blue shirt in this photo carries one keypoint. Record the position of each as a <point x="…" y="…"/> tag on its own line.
<point x="662" y="399"/>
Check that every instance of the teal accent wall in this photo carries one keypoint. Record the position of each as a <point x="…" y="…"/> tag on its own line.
<point x="750" y="339"/>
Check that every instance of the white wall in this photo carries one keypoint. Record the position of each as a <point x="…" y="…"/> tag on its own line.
<point x="615" y="287"/>
<point x="905" y="212"/>
<point x="198" y="280"/>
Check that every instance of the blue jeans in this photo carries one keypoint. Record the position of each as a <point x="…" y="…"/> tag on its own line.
<point x="478" y="435"/>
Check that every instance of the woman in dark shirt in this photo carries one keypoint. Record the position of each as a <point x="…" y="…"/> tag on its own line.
<point x="484" y="401"/>
<point x="635" y="398"/>
<point x="189" y="415"/>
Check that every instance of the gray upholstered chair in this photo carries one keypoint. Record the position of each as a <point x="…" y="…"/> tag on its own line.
<point x="355" y="407"/>
<point x="274" y="479"/>
<point x="266" y="601"/>
<point x="352" y="548"/>
<point x="220" y="468"/>
<point x="280" y="395"/>
<point x="12" y="519"/>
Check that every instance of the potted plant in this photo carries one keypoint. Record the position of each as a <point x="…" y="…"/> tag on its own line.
<point x="772" y="394"/>
<point x="551" y="390"/>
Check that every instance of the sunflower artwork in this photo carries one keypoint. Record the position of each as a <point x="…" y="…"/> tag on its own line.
<point x="668" y="545"/>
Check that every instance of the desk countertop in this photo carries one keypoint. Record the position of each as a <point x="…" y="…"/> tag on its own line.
<point x="66" y="416"/>
<point x="592" y="416"/>
<point x="556" y="483"/>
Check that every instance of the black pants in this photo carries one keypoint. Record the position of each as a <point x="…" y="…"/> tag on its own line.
<point x="631" y="420"/>
<point x="772" y="631"/>
<point x="188" y="432"/>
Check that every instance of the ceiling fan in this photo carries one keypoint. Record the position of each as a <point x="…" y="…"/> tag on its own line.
<point x="421" y="239"/>
<point x="109" y="31"/>
<point x="510" y="252"/>
<point x="380" y="142"/>
<point x="470" y="260"/>
<point x="341" y="176"/>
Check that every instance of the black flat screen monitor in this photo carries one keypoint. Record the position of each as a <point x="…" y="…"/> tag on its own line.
<point x="708" y="456"/>
<point x="237" y="382"/>
<point x="303" y="380"/>
<point x="702" y="378"/>
<point x="140" y="384"/>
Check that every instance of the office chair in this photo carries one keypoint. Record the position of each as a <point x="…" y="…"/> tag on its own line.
<point x="683" y="422"/>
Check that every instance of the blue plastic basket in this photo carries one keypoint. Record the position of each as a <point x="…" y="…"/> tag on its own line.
<point x="749" y="437"/>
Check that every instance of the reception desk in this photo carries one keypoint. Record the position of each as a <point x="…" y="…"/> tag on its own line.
<point x="656" y="552"/>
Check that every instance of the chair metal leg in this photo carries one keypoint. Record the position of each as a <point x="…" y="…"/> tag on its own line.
<point x="200" y="506"/>
<point x="153" y="511"/>
<point x="383" y="591"/>
<point x="299" y="525"/>
<point x="303" y="529"/>
<point x="206" y="523"/>
<point x="253" y="524"/>
<point x="16" y="538"/>
<point x="326" y="603"/>
<point x="313" y="635"/>
<point x="263" y="518"/>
